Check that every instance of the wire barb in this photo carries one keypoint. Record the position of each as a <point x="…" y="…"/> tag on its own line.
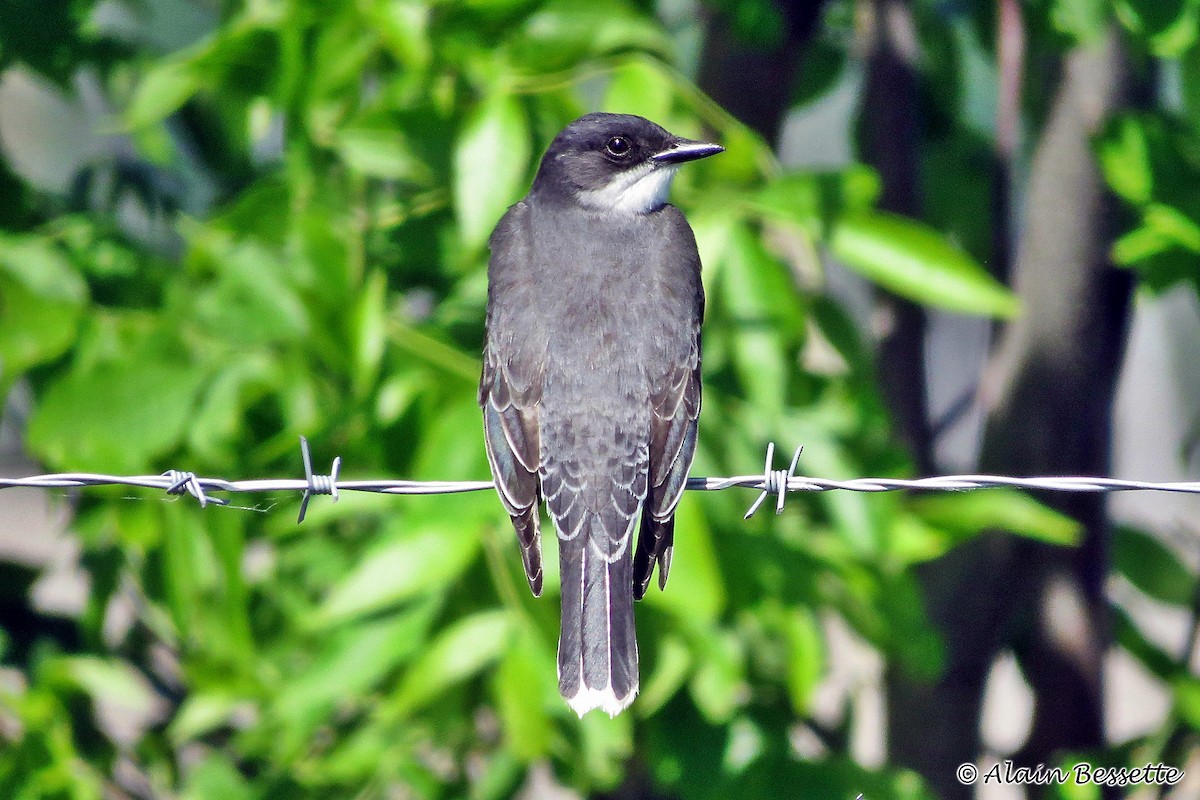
<point x="317" y="484"/>
<point x="775" y="482"/>
<point x="187" y="482"/>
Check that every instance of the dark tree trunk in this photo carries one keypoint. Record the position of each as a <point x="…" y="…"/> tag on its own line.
<point x="752" y="81"/>
<point x="1050" y="393"/>
<point x="1055" y="381"/>
<point x="890" y="136"/>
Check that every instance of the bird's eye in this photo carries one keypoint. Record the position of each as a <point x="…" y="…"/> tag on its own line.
<point x="618" y="146"/>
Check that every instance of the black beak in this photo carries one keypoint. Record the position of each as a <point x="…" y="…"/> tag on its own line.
<point x="681" y="150"/>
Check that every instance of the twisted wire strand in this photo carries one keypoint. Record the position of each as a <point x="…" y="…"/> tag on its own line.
<point x="770" y="482"/>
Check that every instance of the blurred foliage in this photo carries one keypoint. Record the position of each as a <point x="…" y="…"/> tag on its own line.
<point x="294" y="243"/>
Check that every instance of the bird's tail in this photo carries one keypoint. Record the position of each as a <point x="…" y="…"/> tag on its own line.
<point x="597" y="649"/>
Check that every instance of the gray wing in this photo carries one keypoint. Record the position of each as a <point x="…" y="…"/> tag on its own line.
<point x="509" y="393"/>
<point x="673" y="428"/>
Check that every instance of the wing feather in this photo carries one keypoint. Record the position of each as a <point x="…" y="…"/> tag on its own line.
<point x="509" y="394"/>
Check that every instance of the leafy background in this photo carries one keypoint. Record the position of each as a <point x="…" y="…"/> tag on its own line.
<point x="282" y="231"/>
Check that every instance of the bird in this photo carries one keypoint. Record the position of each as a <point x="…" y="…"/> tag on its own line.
<point x="590" y="388"/>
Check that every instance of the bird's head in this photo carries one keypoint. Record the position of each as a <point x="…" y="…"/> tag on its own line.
<point x="618" y="163"/>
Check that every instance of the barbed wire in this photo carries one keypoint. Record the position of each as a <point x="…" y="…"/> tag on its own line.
<point x="770" y="482"/>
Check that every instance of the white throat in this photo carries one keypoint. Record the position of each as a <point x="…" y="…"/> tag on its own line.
<point x="635" y="191"/>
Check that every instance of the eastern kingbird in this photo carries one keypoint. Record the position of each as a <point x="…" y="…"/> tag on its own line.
<point x="591" y="381"/>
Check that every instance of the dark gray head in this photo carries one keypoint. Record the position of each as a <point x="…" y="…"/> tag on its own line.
<point x="615" y="162"/>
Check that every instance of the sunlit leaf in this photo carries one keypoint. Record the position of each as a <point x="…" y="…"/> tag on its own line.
<point x="718" y="685"/>
<point x="491" y="157"/>
<point x="112" y="681"/>
<point x="115" y="417"/>
<point x="461" y="650"/>
<point x="216" y="776"/>
<point x="673" y="662"/>
<point x="806" y="657"/>
<point x="1083" y="20"/>
<point x="201" y="713"/>
<point x="41" y="268"/>
<point x="162" y="91"/>
<point x="606" y="747"/>
<point x="640" y="87"/>
<point x="35" y="329"/>
<point x="525" y="686"/>
<point x="406" y="562"/>
<point x="380" y="151"/>
<point x="369" y="331"/>
<point x="562" y="32"/>
<point x="695" y="588"/>
<point x="1168" y="27"/>
<point x="1124" y="156"/>
<point x="1187" y="700"/>
<point x="1175" y="226"/>
<point x="352" y="661"/>
<point x="1005" y="509"/>
<point x="915" y="262"/>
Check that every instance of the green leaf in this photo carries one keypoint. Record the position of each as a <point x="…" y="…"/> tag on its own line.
<point x="181" y="541"/>
<point x="1083" y="20"/>
<point x="221" y="411"/>
<point x="695" y="589"/>
<point x="856" y="517"/>
<point x="1168" y="27"/>
<point x="607" y="745"/>
<point x="918" y="649"/>
<point x="381" y="151"/>
<point x="1156" y="661"/>
<point x="822" y="68"/>
<point x="404" y="28"/>
<point x="1124" y="156"/>
<point x="33" y="330"/>
<point x="254" y="300"/>
<point x="462" y="650"/>
<point x="351" y="664"/>
<point x="795" y="198"/>
<point x="672" y="663"/>
<point x="117" y="416"/>
<point x="525" y="687"/>
<point x="1006" y="509"/>
<point x="41" y="268"/>
<point x="411" y="559"/>
<point x="640" y="87"/>
<point x="161" y="92"/>
<point x="757" y="293"/>
<point x="111" y="680"/>
<point x="1152" y="567"/>
<point x="914" y="261"/>
<point x="1187" y="699"/>
<point x="1189" y="79"/>
<point x="719" y="684"/>
<point x="491" y="157"/>
<point x="369" y="331"/>
<point x="200" y="714"/>
<point x="564" y="32"/>
<point x="912" y="540"/>
<point x="815" y="200"/>
<point x="215" y="776"/>
<point x="1140" y="245"/>
<point x="806" y="657"/>
<point x="1174" y="226"/>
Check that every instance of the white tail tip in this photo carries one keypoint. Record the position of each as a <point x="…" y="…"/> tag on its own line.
<point x="604" y="699"/>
